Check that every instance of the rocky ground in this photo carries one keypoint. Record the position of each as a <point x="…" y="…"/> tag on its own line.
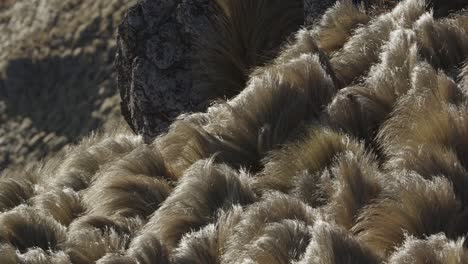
<point x="57" y="81"/>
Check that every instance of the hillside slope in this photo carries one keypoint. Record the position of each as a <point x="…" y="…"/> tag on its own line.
<point x="57" y="82"/>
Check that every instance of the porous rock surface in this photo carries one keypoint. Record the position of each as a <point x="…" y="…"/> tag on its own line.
<point x="154" y="61"/>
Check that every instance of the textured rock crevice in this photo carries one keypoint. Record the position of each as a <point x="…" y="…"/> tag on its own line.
<point x="154" y="61"/>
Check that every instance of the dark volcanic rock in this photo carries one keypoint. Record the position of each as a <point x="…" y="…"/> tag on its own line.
<point x="154" y="61"/>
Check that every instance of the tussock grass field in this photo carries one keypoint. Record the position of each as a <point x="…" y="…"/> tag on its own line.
<point x="349" y="147"/>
